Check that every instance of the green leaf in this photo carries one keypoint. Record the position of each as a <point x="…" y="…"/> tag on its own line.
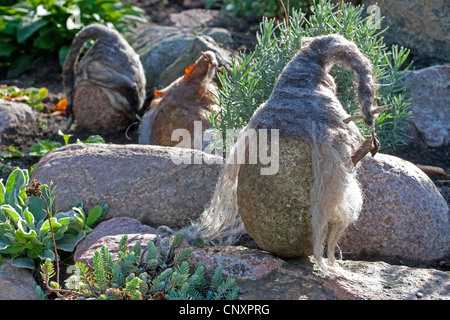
<point x="23" y="262"/>
<point x="2" y="192"/>
<point x="43" y="146"/>
<point x="15" y="189"/>
<point x="6" y="48"/>
<point x="12" y="213"/>
<point x="62" y="54"/>
<point x="20" y="64"/>
<point x="29" y="25"/>
<point x="66" y="137"/>
<point x="65" y="222"/>
<point x="29" y="219"/>
<point x="4" y="244"/>
<point x="46" y="40"/>
<point x="43" y="92"/>
<point x="94" y="139"/>
<point x="22" y="235"/>
<point x="37" y="207"/>
<point x="70" y="241"/>
<point x="47" y="254"/>
<point x="93" y="215"/>
<point x="46" y="225"/>
<point x="15" y="248"/>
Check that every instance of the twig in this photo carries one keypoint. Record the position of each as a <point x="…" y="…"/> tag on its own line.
<point x="431" y="169"/>
<point x="286" y="15"/>
<point x="374" y="111"/>
<point x="53" y="237"/>
<point x="59" y="291"/>
<point x="361" y="152"/>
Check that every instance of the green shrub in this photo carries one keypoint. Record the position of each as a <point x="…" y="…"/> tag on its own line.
<point x="28" y="227"/>
<point x="31" y="96"/>
<point x="142" y="274"/>
<point x="259" y="8"/>
<point x="32" y="28"/>
<point x="254" y="74"/>
<point x="42" y="147"/>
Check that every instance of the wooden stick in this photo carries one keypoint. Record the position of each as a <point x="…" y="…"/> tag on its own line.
<point x="431" y="169"/>
<point x="374" y="111"/>
<point x="361" y="152"/>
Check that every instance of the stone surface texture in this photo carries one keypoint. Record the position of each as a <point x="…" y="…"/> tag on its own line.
<point x="166" y="51"/>
<point x="421" y="26"/>
<point x="16" y="283"/>
<point x="139" y="181"/>
<point x="403" y="214"/>
<point x="429" y="92"/>
<point x="17" y="121"/>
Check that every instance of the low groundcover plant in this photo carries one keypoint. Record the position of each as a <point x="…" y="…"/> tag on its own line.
<point x="29" y="230"/>
<point x="141" y="274"/>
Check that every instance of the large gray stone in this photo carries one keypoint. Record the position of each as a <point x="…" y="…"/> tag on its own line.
<point x="404" y="215"/>
<point x="164" y="48"/>
<point x="421" y="26"/>
<point x="262" y="276"/>
<point x="17" y="121"/>
<point x="138" y="181"/>
<point x="108" y="233"/>
<point x="193" y="18"/>
<point x="429" y="92"/>
<point x="16" y="283"/>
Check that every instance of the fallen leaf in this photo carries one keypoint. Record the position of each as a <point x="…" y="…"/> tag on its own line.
<point x="59" y="108"/>
<point x="157" y="93"/>
<point x="21" y="99"/>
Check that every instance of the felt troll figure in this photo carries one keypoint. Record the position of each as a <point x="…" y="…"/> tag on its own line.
<point x="307" y="205"/>
<point x="106" y="88"/>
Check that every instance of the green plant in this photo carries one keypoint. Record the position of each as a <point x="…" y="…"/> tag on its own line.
<point x="15" y="153"/>
<point x="259" y="8"/>
<point x="254" y="74"/>
<point x="29" y="230"/>
<point x="143" y="274"/>
<point x="42" y="147"/>
<point x="31" y="96"/>
<point x="91" y="139"/>
<point x="32" y="28"/>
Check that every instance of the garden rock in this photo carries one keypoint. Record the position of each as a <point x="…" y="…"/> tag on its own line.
<point x="239" y="262"/>
<point x="404" y="216"/>
<point x="193" y="18"/>
<point x="260" y="275"/>
<point x="108" y="233"/>
<point x="17" y="121"/>
<point x="16" y="283"/>
<point x="421" y="26"/>
<point x="144" y="182"/>
<point x="429" y="92"/>
<point x="165" y="51"/>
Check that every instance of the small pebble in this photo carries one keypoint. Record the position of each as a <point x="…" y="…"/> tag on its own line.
<point x="419" y="294"/>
